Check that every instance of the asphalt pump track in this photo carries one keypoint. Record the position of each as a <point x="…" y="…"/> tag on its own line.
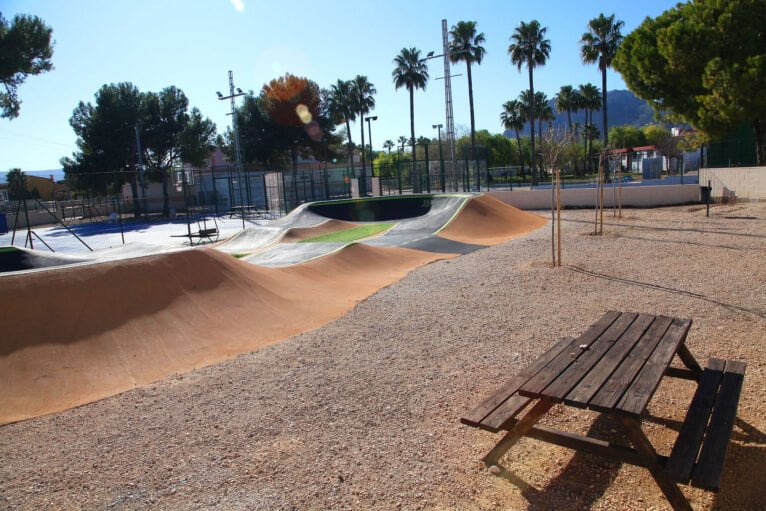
<point x="78" y="329"/>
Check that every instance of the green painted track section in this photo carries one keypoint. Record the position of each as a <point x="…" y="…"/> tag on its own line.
<point x="349" y="235"/>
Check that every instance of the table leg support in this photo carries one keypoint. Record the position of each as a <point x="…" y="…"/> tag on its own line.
<point x="689" y="361"/>
<point x="646" y="451"/>
<point x="519" y="430"/>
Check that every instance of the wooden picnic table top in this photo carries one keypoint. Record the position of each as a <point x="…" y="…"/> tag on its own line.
<point x="615" y="366"/>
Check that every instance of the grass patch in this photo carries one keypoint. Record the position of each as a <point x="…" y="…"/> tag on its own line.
<point x="348" y="235"/>
<point x="240" y="256"/>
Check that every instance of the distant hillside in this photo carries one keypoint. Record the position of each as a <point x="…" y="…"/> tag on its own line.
<point x="623" y="107"/>
<point x="58" y="174"/>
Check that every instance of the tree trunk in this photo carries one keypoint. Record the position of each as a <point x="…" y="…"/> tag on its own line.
<point x="350" y="147"/>
<point x="569" y="120"/>
<point x="603" y="116"/>
<point x="586" y="135"/>
<point x="134" y="193"/>
<point x="521" y="154"/>
<point x="165" y="196"/>
<point x="760" y="141"/>
<point x="532" y="122"/>
<point x="470" y="106"/>
<point x="413" y="176"/>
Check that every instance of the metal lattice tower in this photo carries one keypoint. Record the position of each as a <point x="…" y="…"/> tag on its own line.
<point x="450" y="120"/>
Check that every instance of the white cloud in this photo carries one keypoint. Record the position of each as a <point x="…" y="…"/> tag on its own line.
<point x="238" y="5"/>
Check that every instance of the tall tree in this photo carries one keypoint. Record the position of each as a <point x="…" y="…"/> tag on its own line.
<point x="388" y="144"/>
<point x="341" y="106"/>
<point x="590" y="101"/>
<point x="599" y="45"/>
<point x="513" y="118"/>
<point x="173" y="135"/>
<point x="17" y="184"/>
<point x="25" y="49"/>
<point x="363" y="92"/>
<point x="530" y="48"/>
<point x="411" y="73"/>
<point x="466" y="45"/>
<point x="566" y="101"/>
<point x="106" y="141"/>
<point x="704" y="61"/>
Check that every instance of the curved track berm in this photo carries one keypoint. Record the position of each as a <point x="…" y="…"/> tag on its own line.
<point x="76" y="334"/>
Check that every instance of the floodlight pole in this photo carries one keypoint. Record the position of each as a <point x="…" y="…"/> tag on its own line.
<point x="231" y="96"/>
<point x="441" y="154"/>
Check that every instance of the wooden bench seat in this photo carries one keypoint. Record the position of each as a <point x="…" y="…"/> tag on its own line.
<point x="205" y="233"/>
<point x="698" y="455"/>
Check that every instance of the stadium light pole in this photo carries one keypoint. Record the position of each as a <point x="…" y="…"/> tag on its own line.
<point x="369" y="136"/>
<point x="231" y="97"/>
<point x="441" y="155"/>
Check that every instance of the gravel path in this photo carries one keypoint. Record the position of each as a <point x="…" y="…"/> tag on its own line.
<point x="363" y="412"/>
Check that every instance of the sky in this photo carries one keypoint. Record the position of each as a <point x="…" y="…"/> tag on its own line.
<point x="192" y="44"/>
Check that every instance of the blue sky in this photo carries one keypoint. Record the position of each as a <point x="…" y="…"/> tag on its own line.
<point x="193" y="45"/>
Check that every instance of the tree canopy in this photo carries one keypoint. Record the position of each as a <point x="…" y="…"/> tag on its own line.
<point x="25" y="49"/>
<point x="705" y="62"/>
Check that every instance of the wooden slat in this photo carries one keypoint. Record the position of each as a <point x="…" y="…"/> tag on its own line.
<point x="565" y="381"/>
<point x="687" y="445"/>
<point x="707" y="472"/>
<point x="546" y="375"/>
<point x="489" y="405"/>
<point x="612" y="390"/>
<point x="505" y="413"/>
<point x="582" y="393"/>
<point x="642" y="389"/>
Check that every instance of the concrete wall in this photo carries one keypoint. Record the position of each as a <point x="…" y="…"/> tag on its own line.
<point x="636" y="196"/>
<point x="744" y="183"/>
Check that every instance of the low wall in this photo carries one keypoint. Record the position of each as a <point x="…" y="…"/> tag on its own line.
<point x="632" y="196"/>
<point x="745" y="183"/>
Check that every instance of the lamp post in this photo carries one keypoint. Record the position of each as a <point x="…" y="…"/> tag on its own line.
<point x="369" y="136"/>
<point x="441" y="155"/>
<point x="231" y="97"/>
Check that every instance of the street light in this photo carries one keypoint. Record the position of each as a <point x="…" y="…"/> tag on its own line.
<point x="441" y="156"/>
<point x="231" y="96"/>
<point x="369" y="136"/>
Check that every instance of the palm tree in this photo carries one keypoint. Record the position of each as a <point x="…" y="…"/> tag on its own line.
<point x="544" y="112"/>
<point x="600" y="45"/>
<point x="363" y="101"/>
<point x="590" y="100"/>
<point x="566" y="102"/>
<point x="410" y="72"/>
<point x="529" y="47"/>
<point x="341" y="107"/>
<point x="388" y="144"/>
<point x="465" y="45"/>
<point x="514" y="118"/>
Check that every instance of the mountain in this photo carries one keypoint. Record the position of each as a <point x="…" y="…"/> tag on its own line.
<point x="58" y="174"/>
<point x="623" y="107"/>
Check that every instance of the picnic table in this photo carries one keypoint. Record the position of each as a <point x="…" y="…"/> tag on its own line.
<point x="614" y="368"/>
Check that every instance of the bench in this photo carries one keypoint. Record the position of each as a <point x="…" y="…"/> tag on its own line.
<point x="699" y="452"/>
<point x="202" y="233"/>
<point x="615" y="368"/>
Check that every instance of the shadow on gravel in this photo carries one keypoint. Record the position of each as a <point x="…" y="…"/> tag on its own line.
<point x="648" y="285"/>
<point x="584" y="479"/>
<point x="672" y="229"/>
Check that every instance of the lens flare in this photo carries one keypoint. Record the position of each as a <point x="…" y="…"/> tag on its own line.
<point x="303" y="114"/>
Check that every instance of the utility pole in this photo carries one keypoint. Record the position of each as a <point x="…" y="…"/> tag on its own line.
<point x="238" y="156"/>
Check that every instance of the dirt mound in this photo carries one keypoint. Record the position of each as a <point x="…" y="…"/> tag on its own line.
<point x="297" y="234"/>
<point x="485" y="220"/>
<point x="74" y="335"/>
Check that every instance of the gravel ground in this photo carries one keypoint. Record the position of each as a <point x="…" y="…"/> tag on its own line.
<point x="363" y="412"/>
